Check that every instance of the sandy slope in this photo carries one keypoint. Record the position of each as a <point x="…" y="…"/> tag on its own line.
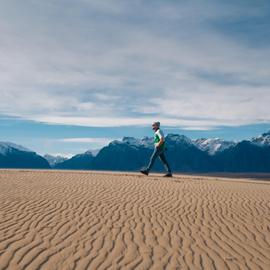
<point x="81" y="220"/>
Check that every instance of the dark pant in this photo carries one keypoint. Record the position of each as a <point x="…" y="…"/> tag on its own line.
<point x="159" y="153"/>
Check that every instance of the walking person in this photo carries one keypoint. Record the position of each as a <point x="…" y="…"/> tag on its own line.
<point x="159" y="150"/>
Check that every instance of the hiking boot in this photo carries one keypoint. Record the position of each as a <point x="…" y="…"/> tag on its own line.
<point x="144" y="171"/>
<point x="168" y="175"/>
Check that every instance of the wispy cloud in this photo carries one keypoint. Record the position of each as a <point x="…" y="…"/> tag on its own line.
<point x="102" y="141"/>
<point x="116" y="63"/>
<point x="198" y="128"/>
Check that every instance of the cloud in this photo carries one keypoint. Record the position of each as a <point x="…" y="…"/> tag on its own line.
<point x="82" y="142"/>
<point x="201" y="128"/>
<point x="100" y="141"/>
<point x="113" y="63"/>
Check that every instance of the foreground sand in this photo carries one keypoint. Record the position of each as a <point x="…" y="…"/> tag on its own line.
<point x="82" y="220"/>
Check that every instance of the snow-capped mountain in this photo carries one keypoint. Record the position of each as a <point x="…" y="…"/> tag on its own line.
<point x="53" y="160"/>
<point x="131" y="141"/>
<point x="146" y="142"/>
<point x="212" y="146"/>
<point x="131" y="154"/>
<point x="94" y="151"/>
<point x="17" y="156"/>
<point x="7" y="147"/>
<point x="178" y="139"/>
<point x="262" y="140"/>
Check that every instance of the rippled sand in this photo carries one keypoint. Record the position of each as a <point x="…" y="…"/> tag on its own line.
<point x="88" y="220"/>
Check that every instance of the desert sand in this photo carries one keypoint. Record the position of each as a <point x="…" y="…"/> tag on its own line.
<point x="90" y="220"/>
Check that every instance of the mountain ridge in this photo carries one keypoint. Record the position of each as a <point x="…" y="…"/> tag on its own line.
<point x="16" y="156"/>
<point x="184" y="154"/>
<point x="130" y="154"/>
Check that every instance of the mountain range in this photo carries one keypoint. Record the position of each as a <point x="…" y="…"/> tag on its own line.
<point x="130" y="154"/>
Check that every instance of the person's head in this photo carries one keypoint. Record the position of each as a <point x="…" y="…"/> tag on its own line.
<point x="155" y="126"/>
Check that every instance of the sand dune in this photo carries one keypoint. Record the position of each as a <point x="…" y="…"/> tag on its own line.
<point x="83" y="220"/>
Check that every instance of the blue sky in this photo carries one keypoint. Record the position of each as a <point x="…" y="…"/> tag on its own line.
<point x="75" y="74"/>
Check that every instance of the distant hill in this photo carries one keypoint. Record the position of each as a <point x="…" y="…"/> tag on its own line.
<point x="17" y="156"/>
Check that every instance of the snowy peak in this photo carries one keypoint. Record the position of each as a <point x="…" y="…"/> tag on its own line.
<point x="148" y="142"/>
<point x="53" y="160"/>
<point x="88" y="152"/>
<point x="94" y="152"/>
<point x="16" y="156"/>
<point x="178" y="139"/>
<point x="145" y="142"/>
<point x="262" y="140"/>
<point x="7" y="147"/>
<point x="212" y="146"/>
<point x="131" y="141"/>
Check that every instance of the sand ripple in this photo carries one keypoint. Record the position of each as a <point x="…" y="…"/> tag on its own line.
<point x="82" y="220"/>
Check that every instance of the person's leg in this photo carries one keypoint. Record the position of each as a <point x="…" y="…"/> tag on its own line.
<point x="152" y="159"/>
<point x="165" y="162"/>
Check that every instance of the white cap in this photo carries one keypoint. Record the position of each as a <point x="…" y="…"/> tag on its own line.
<point x="156" y="124"/>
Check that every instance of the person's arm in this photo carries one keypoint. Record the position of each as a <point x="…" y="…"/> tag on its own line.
<point x="161" y="138"/>
<point x="160" y="142"/>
